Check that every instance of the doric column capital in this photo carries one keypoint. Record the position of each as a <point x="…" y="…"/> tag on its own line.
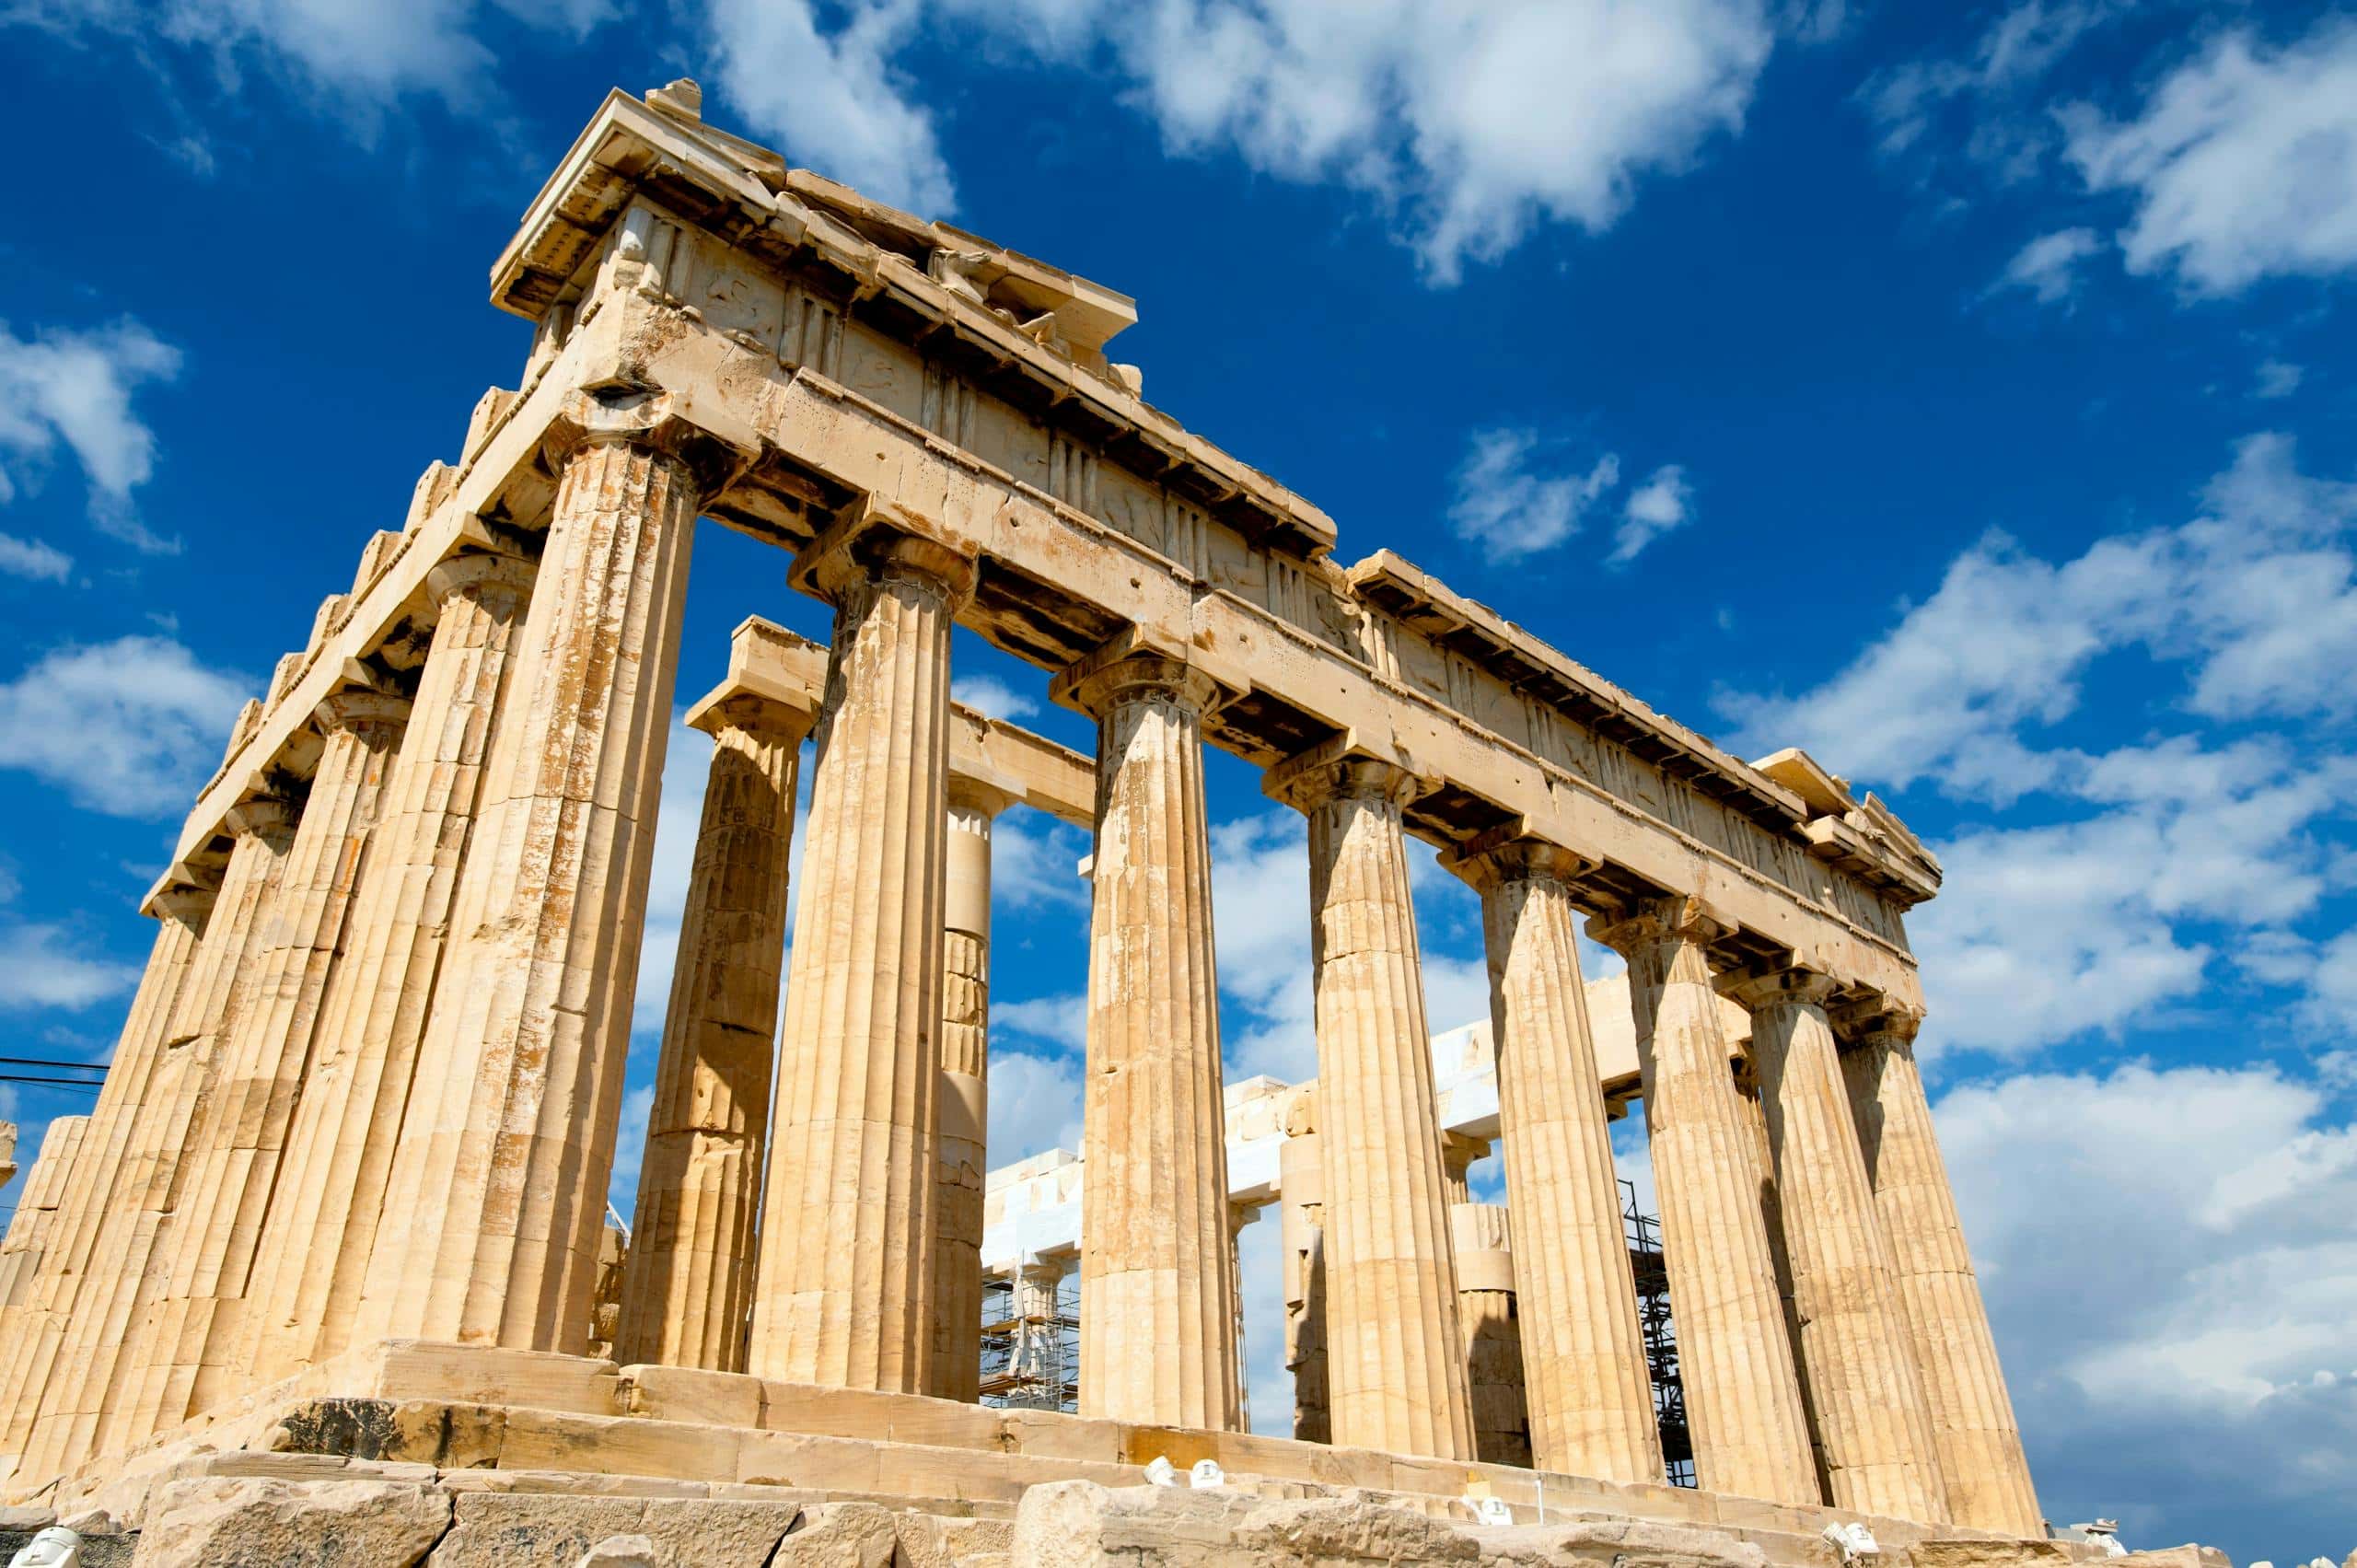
<point x="480" y="577"/>
<point x="645" y="419"/>
<point x="1120" y="673"/>
<point x="1875" y="1021"/>
<point x="1780" y="985"/>
<point x="1512" y="853"/>
<point x="268" y="817"/>
<point x="756" y="714"/>
<point x="183" y="901"/>
<point x="873" y="541"/>
<point x="1340" y="769"/>
<point x="357" y="708"/>
<point x="1679" y="918"/>
<point x="979" y="796"/>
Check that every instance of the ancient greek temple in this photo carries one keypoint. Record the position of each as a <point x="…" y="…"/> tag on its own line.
<point x="339" y="1213"/>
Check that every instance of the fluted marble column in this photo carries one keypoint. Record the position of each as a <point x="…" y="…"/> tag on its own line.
<point x="1873" y="1430"/>
<point x="1495" y="1378"/>
<point x="38" y="1202"/>
<point x="331" y="1215"/>
<point x="96" y="1361"/>
<point x="1743" y="1398"/>
<point x="1157" y="1291"/>
<point x="190" y="1337"/>
<point x="508" y="1141"/>
<point x="1301" y="1183"/>
<point x="845" y="1293"/>
<point x="961" y="1151"/>
<point x="74" y="1260"/>
<point x="1583" y="1355"/>
<point x="1395" y="1351"/>
<point x="688" y="1282"/>
<point x="1971" y="1413"/>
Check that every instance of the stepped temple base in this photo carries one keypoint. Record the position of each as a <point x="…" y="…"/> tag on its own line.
<point x="408" y="1452"/>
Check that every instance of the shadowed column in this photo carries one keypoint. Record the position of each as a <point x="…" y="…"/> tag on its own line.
<point x="962" y="1147"/>
<point x="1743" y="1398"/>
<point x="1301" y="1181"/>
<point x="1972" y="1415"/>
<point x="1873" y="1432"/>
<point x="331" y="1216"/>
<point x="1582" y="1357"/>
<point x="845" y="1291"/>
<point x="1395" y="1351"/>
<point x="1157" y="1290"/>
<point x="688" y="1284"/>
<point x="508" y="1141"/>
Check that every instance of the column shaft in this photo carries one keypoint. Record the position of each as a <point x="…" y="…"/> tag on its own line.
<point x="329" y="1217"/>
<point x="1494" y="1363"/>
<point x="847" y="1274"/>
<point x="962" y="1154"/>
<point x="1583" y="1355"/>
<point x="1157" y="1292"/>
<point x="1742" y="1400"/>
<point x="508" y="1141"/>
<point x="1395" y="1350"/>
<point x="1873" y="1429"/>
<point x="1301" y="1181"/>
<point x="190" y="1337"/>
<point x="688" y="1282"/>
<point x="96" y="1360"/>
<point x="1972" y="1415"/>
<point x="33" y="1331"/>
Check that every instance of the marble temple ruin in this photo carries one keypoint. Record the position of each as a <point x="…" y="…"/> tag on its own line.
<point x="338" y="1216"/>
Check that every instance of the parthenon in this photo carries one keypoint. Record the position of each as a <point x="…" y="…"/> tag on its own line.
<point x="338" y="1215"/>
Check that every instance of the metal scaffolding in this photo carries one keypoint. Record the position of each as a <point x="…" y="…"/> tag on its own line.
<point x="1643" y="1231"/>
<point x="1031" y="1360"/>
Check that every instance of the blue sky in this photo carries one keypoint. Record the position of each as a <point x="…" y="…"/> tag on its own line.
<point x="1964" y="393"/>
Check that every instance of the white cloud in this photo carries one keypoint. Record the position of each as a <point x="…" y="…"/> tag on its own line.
<point x="46" y="966"/>
<point x="630" y="1150"/>
<point x="2242" y="162"/>
<point x="1927" y="111"/>
<point x="1261" y="918"/>
<point x="2048" y="267"/>
<point x="687" y="765"/>
<point x="991" y="697"/>
<point x="2170" y="1259"/>
<point x="2277" y="380"/>
<point x="33" y="558"/>
<point x="128" y="727"/>
<point x="2166" y="849"/>
<point x="76" y="387"/>
<point x="1664" y="502"/>
<point x="1034" y="1105"/>
<point x="833" y="97"/>
<point x="1466" y="124"/>
<point x="1510" y="507"/>
<point x="1060" y="1020"/>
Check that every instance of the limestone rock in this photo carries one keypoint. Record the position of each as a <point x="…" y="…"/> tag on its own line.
<point x="500" y="1529"/>
<point x="233" y="1522"/>
<point x="620" y="1551"/>
<point x="839" y="1535"/>
<point x="928" y="1540"/>
<point x="29" y="1518"/>
<point x="1618" y="1543"/>
<point x="1068" y="1524"/>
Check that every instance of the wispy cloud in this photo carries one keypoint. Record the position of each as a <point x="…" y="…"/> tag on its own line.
<point x="74" y="386"/>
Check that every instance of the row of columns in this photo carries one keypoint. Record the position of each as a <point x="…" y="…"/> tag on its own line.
<point x="451" y="1124"/>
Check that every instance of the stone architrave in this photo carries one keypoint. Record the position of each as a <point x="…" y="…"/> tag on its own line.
<point x="845" y="1290"/>
<point x="1979" y="1444"/>
<point x="73" y="1260"/>
<point x="688" y="1282"/>
<point x="1494" y="1372"/>
<point x="1395" y="1351"/>
<point x="1583" y="1355"/>
<point x="331" y="1215"/>
<point x="1873" y="1429"/>
<point x="1743" y="1397"/>
<point x="961" y="1148"/>
<point x="1157" y="1291"/>
<point x="94" y="1366"/>
<point x="508" y="1141"/>
<point x="1301" y="1182"/>
<point x="191" y="1336"/>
